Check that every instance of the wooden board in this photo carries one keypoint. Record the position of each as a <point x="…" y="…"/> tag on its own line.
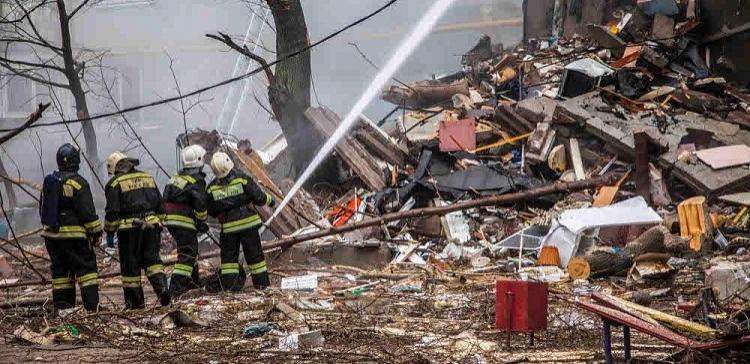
<point x="349" y="149"/>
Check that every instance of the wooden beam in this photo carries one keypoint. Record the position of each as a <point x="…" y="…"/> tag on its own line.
<point x="458" y="206"/>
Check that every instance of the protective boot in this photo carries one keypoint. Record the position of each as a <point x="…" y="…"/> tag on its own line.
<point x="64" y="298"/>
<point x="261" y="280"/>
<point x="179" y="285"/>
<point x="233" y="282"/>
<point x="159" y="284"/>
<point x="196" y="279"/>
<point x="133" y="298"/>
<point x="90" y="297"/>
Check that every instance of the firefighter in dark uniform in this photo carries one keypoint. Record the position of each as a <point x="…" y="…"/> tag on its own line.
<point x="133" y="211"/>
<point x="67" y="204"/>
<point x="230" y="196"/>
<point x="185" y="206"/>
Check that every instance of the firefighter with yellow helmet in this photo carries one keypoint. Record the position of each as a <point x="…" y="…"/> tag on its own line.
<point x="134" y="207"/>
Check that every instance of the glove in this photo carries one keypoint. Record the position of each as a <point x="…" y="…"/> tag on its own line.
<point x="110" y="240"/>
<point x="272" y="203"/>
<point x="201" y="226"/>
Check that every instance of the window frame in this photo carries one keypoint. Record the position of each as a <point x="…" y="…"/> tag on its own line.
<point x="4" y="93"/>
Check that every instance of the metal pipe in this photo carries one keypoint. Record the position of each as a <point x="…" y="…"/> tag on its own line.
<point x="607" y="331"/>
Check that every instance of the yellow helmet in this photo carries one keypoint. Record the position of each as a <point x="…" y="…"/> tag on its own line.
<point x="221" y="164"/>
<point x="112" y="161"/>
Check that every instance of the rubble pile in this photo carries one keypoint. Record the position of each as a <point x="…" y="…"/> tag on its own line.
<point x="609" y="167"/>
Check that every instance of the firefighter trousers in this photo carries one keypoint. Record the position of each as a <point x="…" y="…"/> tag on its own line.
<point x="249" y="240"/>
<point x="139" y="250"/>
<point x="73" y="260"/>
<point x="185" y="273"/>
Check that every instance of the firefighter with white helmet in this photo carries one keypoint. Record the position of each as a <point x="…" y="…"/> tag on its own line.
<point x="232" y="196"/>
<point x="185" y="206"/>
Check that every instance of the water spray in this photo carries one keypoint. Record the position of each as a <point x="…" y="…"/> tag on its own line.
<point x="405" y="49"/>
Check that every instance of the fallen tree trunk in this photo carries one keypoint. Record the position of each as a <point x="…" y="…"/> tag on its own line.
<point x="443" y="210"/>
<point x="605" y="263"/>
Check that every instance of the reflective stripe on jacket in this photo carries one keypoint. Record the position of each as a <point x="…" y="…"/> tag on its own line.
<point x="77" y="214"/>
<point x="230" y="199"/>
<point x="185" y="199"/>
<point x="132" y="196"/>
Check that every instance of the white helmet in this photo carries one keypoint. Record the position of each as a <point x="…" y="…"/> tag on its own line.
<point x="112" y="161"/>
<point x="221" y="164"/>
<point x="192" y="156"/>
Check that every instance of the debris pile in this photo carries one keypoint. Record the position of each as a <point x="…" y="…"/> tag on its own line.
<point x="609" y="167"/>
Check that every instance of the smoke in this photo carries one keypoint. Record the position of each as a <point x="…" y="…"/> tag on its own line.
<point x="420" y="32"/>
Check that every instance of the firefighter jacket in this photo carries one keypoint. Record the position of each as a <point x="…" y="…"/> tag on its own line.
<point x="185" y="199"/>
<point x="131" y="197"/>
<point x="77" y="214"/>
<point x="229" y="200"/>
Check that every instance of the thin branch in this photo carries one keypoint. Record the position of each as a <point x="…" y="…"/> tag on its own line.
<point x="27" y="15"/>
<point x="29" y="41"/>
<point x="35" y="78"/>
<point x="132" y="129"/>
<point x="34" y="117"/>
<point x="15" y="239"/>
<point x="79" y="7"/>
<point x="226" y="39"/>
<point x="74" y="138"/>
<point x="22" y="183"/>
<point x="179" y="92"/>
<point x="225" y="82"/>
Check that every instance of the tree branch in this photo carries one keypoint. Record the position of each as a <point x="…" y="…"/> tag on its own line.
<point x="34" y="78"/>
<point x="226" y="39"/>
<point x="34" y="117"/>
<point x="79" y="7"/>
<point x="27" y="15"/>
<point x="30" y="64"/>
<point x="29" y="41"/>
<point x="246" y="52"/>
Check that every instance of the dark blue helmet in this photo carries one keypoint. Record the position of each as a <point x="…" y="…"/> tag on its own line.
<point x="68" y="157"/>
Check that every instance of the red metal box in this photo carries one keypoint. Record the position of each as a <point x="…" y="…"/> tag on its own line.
<point x="527" y="302"/>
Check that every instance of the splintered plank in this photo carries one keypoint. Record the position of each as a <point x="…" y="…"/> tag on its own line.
<point x="350" y="150"/>
<point x="286" y="223"/>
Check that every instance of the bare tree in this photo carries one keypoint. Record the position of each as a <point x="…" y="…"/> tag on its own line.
<point x="53" y="62"/>
<point x="290" y="80"/>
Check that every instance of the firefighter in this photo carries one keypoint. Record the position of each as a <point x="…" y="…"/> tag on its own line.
<point x="185" y="206"/>
<point x="134" y="205"/>
<point x="230" y="196"/>
<point x="71" y="228"/>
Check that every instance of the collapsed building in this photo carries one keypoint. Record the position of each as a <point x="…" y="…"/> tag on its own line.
<point x="592" y="177"/>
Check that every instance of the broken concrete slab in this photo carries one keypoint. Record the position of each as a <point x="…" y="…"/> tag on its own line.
<point x="724" y="157"/>
<point x="729" y="279"/>
<point x="741" y="198"/>
<point x="703" y="179"/>
<point x="608" y="40"/>
<point x="537" y="109"/>
<point x="540" y="143"/>
<point x="571" y="111"/>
